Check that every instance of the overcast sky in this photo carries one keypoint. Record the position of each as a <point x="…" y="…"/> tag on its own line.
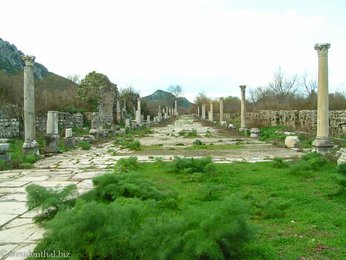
<point x="203" y="45"/>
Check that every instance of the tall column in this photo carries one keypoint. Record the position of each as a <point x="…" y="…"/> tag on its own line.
<point x="138" y="112"/>
<point x="221" y="109"/>
<point x="118" y="111"/>
<point x="211" y="113"/>
<point x="242" y="108"/>
<point x="322" y="143"/>
<point x="175" y="107"/>
<point x="203" y="111"/>
<point x="198" y="112"/>
<point x="30" y="144"/>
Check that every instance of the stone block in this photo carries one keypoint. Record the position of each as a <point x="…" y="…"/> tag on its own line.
<point x="292" y="141"/>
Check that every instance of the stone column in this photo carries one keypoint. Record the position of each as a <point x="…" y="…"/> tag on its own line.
<point x="211" y="113"/>
<point x="175" y="107"/>
<point x="138" y="112"/>
<point x="52" y="132"/>
<point x="70" y="141"/>
<point x="242" y="108"/>
<point x="118" y="111"/>
<point x="203" y="111"/>
<point x="30" y="144"/>
<point x="159" y="115"/>
<point x="148" y="119"/>
<point x="198" y="112"/>
<point x="221" y="109"/>
<point x="322" y="143"/>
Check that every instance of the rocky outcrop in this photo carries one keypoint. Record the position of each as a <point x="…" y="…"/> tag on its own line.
<point x="11" y="62"/>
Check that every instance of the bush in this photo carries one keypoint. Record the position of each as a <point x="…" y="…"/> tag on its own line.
<point x="135" y="145"/>
<point x="84" y="145"/>
<point x="279" y="163"/>
<point x="109" y="187"/>
<point x="50" y="201"/>
<point x="197" y="142"/>
<point x="130" y="231"/>
<point x="126" y="164"/>
<point x="341" y="168"/>
<point x="192" y="165"/>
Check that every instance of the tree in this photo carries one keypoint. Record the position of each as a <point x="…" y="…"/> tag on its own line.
<point x="93" y="86"/>
<point x="128" y="99"/>
<point x="176" y="90"/>
<point x="74" y="77"/>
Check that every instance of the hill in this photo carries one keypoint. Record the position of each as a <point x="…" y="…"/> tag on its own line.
<point x="11" y="62"/>
<point x="164" y="98"/>
<point x="53" y="92"/>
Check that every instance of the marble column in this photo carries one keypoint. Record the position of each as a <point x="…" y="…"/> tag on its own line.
<point x="322" y="143"/>
<point x="148" y="119"/>
<point x="203" y="111"/>
<point x="175" y="107"/>
<point x="159" y="114"/>
<point x="221" y="109"/>
<point x="138" y="112"/>
<point x="118" y="111"/>
<point x="30" y="145"/>
<point x="211" y="113"/>
<point x="242" y="108"/>
<point x="198" y="112"/>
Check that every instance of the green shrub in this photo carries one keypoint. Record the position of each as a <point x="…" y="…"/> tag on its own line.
<point x="272" y="133"/>
<point x="192" y="165"/>
<point x="126" y="164"/>
<point x="197" y="142"/>
<point x="272" y="208"/>
<point x="279" y="163"/>
<point x="188" y="133"/>
<point x="130" y="231"/>
<point x="84" y="145"/>
<point x="341" y="168"/>
<point x="49" y="200"/>
<point x="109" y="187"/>
<point x="135" y="145"/>
<point x="316" y="160"/>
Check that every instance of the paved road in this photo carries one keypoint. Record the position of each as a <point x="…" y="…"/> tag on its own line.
<point x="18" y="233"/>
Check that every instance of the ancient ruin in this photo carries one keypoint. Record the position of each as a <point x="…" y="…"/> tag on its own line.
<point x="322" y="143"/>
<point x="30" y="144"/>
<point x="242" y="108"/>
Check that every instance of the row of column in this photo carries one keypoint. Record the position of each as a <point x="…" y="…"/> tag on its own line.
<point x="211" y="110"/>
<point x="321" y="144"/>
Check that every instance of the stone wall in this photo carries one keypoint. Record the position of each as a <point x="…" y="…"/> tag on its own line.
<point x="66" y="120"/>
<point x="304" y="120"/>
<point x="9" y="121"/>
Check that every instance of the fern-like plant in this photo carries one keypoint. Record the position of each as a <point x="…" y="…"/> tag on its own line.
<point x="49" y="200"/>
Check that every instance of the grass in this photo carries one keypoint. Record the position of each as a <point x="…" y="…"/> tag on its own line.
<point x="289" y="202"/>
<point x="218" y="147"/>
<point x="18" y="160"/>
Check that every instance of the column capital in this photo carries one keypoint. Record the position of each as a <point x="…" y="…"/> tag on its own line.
<point x="322" y="49"/>
<point x="29" y="60"/>
<point x="242" y="87"/>
<point x="221" y="98"/>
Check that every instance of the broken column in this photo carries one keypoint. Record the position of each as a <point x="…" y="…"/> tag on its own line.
<point x="148" y="119"/>
<point x="221" y="109"/>
<point x="322" y="143"/>
<point x="52" y="132"/>
<point x="70" y="141"/>
<point x="30" y="145"/>
<point x="159" y="115"/>
<point x="242" y="108"/>
<point x="118" y="111"/>
<point x="203" y="111"/>
<point x="175" y="107"/>
<point x="211" y="113"/>
<point x="138" y="112"/>
<point x="198" y="112"/>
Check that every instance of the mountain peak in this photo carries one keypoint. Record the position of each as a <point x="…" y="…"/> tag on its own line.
<point x="11" y="62"/>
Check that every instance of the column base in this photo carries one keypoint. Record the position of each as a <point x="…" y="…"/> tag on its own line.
<point x="70" y="142"/>
<point x="322" y="145"/>
<point x="51" y="141"/>
<point x="31" y="147"/>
